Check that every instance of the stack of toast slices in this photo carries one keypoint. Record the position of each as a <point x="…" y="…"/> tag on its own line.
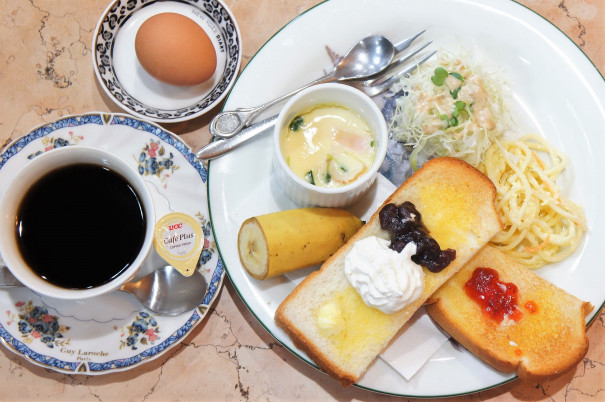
<point x="457" y="204"/>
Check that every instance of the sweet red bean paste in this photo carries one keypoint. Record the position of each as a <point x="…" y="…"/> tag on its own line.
<point x="497" y="299"/>
<point x="404" y="223"/>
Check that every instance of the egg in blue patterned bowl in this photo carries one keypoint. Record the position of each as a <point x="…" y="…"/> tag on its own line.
<point x="152" y="84"/>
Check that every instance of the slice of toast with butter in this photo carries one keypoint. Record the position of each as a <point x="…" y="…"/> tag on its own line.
<point x="532" y="327"/>
<point x="456" y="203"/>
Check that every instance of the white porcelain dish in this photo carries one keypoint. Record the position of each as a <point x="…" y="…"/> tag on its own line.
<point x="305" y="194"/>
<point x="124" y="80"/>
<point x="558" y="93"/>
<point x="112" y="332"/>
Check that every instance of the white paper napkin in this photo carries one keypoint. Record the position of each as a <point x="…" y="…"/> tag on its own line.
<point x="414" y="345"/>
<point x="420" y="338"/>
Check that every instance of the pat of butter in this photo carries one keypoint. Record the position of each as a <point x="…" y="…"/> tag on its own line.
<point x="179" y="240"/>
<point x="329" y="318"/>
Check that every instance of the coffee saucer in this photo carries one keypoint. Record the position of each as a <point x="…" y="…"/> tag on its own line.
<point x="111" y="332"/>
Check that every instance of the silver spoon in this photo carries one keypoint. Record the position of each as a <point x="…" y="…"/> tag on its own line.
<point x="164" y="291"/>
<point x="368" y="57"/>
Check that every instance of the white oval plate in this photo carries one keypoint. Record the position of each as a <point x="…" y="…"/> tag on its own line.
<point x="111" y="332"/>
<point x="126" y="82"/>
<point x="558" y="93"/>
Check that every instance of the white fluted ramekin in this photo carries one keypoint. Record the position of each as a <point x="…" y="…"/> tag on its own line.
<point x="304" y="193"/>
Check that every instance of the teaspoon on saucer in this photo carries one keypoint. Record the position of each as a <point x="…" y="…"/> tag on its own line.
<point x="164" y="291"/>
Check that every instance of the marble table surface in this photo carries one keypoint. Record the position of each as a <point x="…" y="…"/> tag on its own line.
<point x="46" y="72"/>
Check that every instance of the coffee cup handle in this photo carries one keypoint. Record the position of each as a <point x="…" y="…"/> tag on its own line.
<point x="161" y="203"/>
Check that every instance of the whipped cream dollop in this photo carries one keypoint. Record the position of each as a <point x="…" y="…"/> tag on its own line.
<point x="385" y="279"/>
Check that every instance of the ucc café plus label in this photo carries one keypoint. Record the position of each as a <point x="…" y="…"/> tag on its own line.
<point x="179" y="240"/>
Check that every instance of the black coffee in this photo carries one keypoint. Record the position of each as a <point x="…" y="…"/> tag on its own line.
<point x="80" y="226"/>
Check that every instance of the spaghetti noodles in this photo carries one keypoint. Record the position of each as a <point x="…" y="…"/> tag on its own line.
<point x="540" y="225"/>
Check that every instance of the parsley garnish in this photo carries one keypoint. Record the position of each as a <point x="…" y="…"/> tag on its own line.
<point x="309" y="177"/>
<point x="439" y="76"/>
<point x="296" y="123"/>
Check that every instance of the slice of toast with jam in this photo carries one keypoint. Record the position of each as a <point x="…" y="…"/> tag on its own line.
<point x="512" y="319"/>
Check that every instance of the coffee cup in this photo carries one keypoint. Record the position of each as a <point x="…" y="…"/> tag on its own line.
<point x="76" y="222"/>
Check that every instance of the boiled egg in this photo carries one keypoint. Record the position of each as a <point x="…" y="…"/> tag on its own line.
<point x="175" y="50"/>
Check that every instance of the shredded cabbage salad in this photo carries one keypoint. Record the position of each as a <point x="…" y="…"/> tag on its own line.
<point x="453" y="108"/>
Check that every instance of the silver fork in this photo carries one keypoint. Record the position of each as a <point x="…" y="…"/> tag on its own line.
<point x="378" y="85"/>
<point x="372" y="87"/>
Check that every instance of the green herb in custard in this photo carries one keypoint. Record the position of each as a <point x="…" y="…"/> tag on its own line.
<point x="296" y="123"/>
<point x="309" y="177"/>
